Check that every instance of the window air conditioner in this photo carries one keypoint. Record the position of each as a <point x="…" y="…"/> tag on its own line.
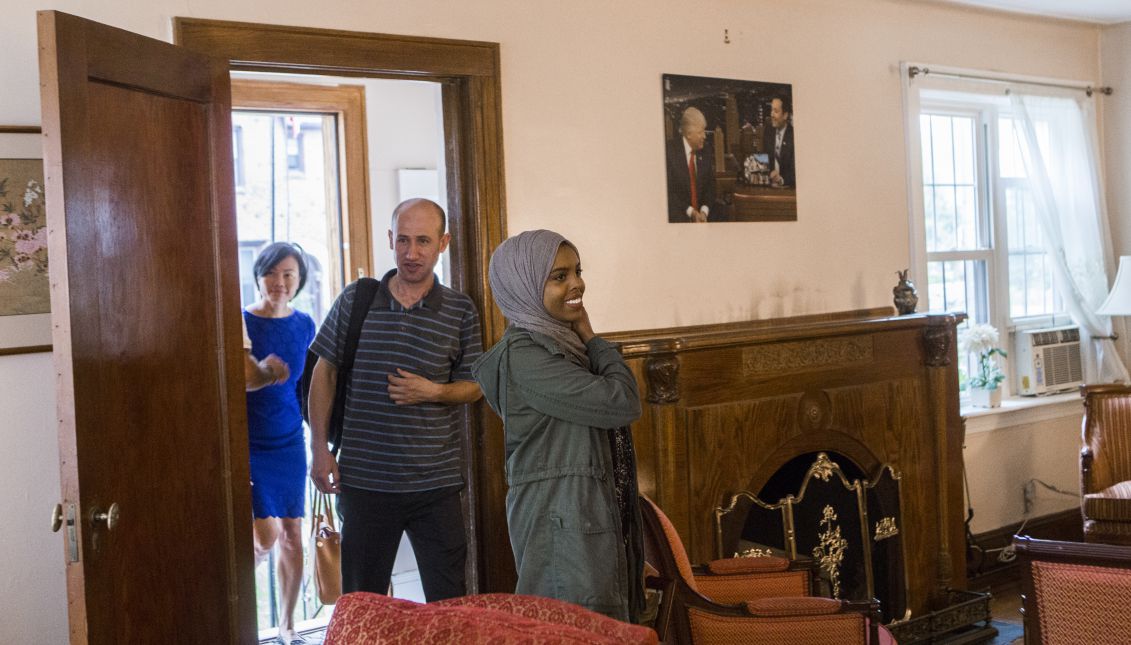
<point x="1048" y="360"/>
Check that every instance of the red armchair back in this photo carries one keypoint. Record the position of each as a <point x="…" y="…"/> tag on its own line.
<point x="1074" y="593"/>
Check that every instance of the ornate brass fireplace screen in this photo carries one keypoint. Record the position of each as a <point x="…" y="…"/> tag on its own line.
<point x="851" y="529"/>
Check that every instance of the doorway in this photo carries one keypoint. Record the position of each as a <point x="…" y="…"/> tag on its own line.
<point x="320" y="161"/>
<point x="469" y="73"/>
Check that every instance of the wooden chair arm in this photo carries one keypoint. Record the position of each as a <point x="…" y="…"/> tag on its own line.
<point x="728" y="566"/>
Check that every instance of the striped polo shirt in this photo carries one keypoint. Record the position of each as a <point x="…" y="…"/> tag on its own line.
<point x="393" y="448"/>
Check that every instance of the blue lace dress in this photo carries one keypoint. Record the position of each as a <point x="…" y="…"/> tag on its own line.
<point x="274" y="418"/>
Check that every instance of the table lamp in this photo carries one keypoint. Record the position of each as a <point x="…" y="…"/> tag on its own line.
<point x="1118" y="302"/>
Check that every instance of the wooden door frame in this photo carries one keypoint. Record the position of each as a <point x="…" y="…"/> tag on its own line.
<point x="469" y="72"/>
<point x="347" y="102"/>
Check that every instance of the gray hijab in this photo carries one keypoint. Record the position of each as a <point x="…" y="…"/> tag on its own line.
<point x="518" y="272"/>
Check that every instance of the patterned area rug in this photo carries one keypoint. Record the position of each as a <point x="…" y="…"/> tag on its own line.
<point x="1007" y="633"/>
<point x="313" y="637"/>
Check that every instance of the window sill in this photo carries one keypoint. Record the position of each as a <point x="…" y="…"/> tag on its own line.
<point x="1021" y="410"/>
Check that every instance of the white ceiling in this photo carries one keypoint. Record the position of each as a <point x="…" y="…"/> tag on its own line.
<point x="1107" y="12"/>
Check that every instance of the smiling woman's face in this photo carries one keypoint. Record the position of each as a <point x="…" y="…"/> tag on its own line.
<point x="281" y="282"/>
<point x="562" y="295"/>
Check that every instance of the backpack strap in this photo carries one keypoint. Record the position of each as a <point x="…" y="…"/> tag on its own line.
<point x="363" y="296"/>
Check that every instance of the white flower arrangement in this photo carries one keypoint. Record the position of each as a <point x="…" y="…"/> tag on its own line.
<point x="982" y="339"/>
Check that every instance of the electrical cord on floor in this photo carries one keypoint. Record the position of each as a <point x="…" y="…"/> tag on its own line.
<point x="1008" y="553"/>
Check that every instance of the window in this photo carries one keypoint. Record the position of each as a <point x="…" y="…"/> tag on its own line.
<point x="298" y="202"/>
<point x="238" y="157"/>
<point x="977" y="237"/>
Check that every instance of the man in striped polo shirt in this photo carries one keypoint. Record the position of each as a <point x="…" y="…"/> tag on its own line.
<point x="400" y="466"/>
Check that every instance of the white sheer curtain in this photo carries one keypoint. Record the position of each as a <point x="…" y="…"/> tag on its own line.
<point x="1063" y="177"/>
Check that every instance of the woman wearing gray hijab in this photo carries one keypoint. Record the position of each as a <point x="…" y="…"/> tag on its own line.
<point x="566" y="397"/>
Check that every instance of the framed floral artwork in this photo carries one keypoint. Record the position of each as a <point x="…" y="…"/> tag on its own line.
<point x="25" y="304"/>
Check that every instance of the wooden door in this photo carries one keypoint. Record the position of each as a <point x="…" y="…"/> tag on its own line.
<point x="147" y="339"/>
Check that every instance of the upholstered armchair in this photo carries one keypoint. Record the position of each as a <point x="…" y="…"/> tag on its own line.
<point x="744" y="600"/>
<point x="1105" y="464"/>
<point x="362" y="618"/>
<point x="1074" y="593"/>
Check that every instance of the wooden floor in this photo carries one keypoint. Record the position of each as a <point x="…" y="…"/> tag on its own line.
<point x="1006" y="608"/>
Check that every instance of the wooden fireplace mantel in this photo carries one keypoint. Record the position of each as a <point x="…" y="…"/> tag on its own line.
<point x="727" y="404"/>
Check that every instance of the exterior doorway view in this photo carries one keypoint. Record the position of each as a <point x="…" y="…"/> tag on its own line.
<point x="321" y="162"/>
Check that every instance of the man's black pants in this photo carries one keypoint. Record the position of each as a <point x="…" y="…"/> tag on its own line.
<point x="372" y="524"/>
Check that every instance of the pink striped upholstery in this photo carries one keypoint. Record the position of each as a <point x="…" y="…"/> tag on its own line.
<point x="1107" y="532"/>
<point x="1106" y="464"/>
<point x="1111" y="503"/>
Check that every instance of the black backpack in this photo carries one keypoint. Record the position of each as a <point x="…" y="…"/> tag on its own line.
<point x="364" y="293"/>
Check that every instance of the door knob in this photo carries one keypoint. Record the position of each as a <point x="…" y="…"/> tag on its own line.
<point x="56" y="518"/>
<point x="109" y="517"/>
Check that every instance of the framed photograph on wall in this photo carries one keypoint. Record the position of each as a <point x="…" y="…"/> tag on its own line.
<point x="25" y="303"/>
<point x="730" y="150"/>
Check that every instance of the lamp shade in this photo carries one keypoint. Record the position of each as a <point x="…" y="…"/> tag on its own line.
<point x="1118" y="302"/>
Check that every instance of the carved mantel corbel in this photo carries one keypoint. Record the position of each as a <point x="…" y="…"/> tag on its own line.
<point x="663" y="379"/>
<point x="936" y="342"/>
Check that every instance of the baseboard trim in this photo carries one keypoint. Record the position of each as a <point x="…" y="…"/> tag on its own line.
<point x="984" y="571"/>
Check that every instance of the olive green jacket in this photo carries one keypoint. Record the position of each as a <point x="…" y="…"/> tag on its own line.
<point x="565" y="527"/>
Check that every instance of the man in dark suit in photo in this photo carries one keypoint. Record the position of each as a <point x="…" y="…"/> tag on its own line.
<point x="778" y="142"/>
<point x="691" y="172"/>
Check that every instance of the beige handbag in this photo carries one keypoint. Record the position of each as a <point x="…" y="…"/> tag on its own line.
<point x="325" y="550"/>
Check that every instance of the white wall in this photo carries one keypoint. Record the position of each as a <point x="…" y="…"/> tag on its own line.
<point x="583" y="143"/>
<point x="1115" y="54"/>
<point x="32" y="588"/>
<point x="1116" y="67"/>
<point x="404" y="122"/>
<point x="1001" y="461"/>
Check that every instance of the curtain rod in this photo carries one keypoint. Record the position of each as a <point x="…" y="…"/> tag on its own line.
<point x="915" y="70"/>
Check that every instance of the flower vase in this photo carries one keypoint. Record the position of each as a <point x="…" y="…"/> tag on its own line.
<point x="980" y="397"/>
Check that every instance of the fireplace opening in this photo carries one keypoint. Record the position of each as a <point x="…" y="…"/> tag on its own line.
<point x="823" y="506"/>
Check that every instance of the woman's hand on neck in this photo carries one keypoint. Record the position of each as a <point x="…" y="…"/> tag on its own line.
<point x="583" y="328"/>
<point x="266" y="308"/>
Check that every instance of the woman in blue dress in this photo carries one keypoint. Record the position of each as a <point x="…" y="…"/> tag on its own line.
<point x="274" y="420"/>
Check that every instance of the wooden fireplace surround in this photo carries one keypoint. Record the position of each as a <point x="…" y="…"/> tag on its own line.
<point x="727" y="404"/>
